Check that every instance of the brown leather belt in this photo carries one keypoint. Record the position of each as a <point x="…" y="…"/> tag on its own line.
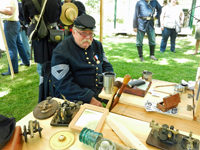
<point x="146" y="18"/>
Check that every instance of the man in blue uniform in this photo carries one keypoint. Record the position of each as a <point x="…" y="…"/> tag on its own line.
<point x="76" y="63"/>
<point x="143" y="22"/>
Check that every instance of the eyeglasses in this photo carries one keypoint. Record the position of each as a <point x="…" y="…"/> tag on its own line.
<point x="85" y="34"/>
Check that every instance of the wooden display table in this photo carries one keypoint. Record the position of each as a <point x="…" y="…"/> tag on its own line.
<point x="140" y="129"/>
<point x="138" y="101"/>
<point x="133" y="106"/>
<point x="141" y="114"/>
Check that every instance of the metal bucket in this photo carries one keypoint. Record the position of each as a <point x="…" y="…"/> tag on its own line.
<point x="147" y="75"/>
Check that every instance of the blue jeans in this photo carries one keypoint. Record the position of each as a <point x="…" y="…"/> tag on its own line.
<point x="140" y="37"/>
<point x="25" y="42"/>
<point x="166" y="33"/>
<point x="11" y="30"/>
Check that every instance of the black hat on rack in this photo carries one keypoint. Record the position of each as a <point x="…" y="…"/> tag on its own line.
<point x="85" y="22"/>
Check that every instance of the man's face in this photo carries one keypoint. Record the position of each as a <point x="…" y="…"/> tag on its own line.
<point x="173" y="1"/>
<point x="83" y="38"/>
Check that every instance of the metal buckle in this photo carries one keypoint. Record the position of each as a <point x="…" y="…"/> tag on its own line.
<point x="148" y="18"/>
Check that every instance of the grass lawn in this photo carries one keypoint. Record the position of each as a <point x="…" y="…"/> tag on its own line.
<point x="19" y="95"/>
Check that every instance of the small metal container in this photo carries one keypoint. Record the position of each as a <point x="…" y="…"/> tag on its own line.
<point x="178" y="89"/>
<point x="185" y="87"/>
<point x="147" y="75"/>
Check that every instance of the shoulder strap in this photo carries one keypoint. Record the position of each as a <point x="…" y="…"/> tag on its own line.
<point x="37" y="5"/>
<point x="40" y="16"/>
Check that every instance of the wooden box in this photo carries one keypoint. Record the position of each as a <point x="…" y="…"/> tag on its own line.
<point x="169" y="102"/>
<point x="137" y="91"/>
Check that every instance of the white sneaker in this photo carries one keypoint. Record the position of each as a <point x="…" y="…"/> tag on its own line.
<point x="153" y="57"/>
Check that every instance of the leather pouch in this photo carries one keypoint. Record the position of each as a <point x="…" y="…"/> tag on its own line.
<point x="15" y="143"/>
<point x="56" y="36"/>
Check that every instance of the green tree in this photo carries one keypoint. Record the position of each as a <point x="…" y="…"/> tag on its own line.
<point x="93" y="6"/>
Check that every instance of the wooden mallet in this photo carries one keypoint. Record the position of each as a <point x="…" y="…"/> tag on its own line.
<point x="116" y="87"/>
<point x="125" y="82"/>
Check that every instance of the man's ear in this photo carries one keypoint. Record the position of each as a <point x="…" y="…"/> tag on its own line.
<point x="73" y="31"/>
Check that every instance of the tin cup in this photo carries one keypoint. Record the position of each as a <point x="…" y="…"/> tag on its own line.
<point x="108" y="81"/>
<point x="185" y="87"/>
<point x="178" y="89"/>
<point x="147" y="75"/>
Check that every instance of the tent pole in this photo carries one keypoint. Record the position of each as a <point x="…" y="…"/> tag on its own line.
<point x="101" y="20"/>
<point x="6" y="47"/>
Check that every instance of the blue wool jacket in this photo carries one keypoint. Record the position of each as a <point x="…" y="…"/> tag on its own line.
<point x="143" y="9"/>
<point x="75" y="70"/>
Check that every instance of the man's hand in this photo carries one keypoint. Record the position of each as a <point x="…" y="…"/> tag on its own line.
<point x="135" y="29"/>
<point x="94" y="101"/>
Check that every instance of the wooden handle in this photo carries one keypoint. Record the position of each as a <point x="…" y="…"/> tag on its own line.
<point x="116" y="100"/>
<point x="127" y="78"/>
<point x="165" y="85"/>
<point x="162" y="92"/>
<point x="125" y="82"/>
<point x="115" y="89"/>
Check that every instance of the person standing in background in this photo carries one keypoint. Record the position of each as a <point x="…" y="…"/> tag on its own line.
<point x="197" y="36"/>
<point x="171" y="15"/>
<point x="23" y="31"/>
<point x="42" y="48"/>
<point x="143" y="22"/>
<point x="10" y="17"/>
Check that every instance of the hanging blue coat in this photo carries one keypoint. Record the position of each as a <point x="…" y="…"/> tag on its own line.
<point x="43" y="48"/>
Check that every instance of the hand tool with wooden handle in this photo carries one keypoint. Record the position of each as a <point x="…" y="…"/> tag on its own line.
<point x="125" y="82"/>
<point x="117" y="85"/>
